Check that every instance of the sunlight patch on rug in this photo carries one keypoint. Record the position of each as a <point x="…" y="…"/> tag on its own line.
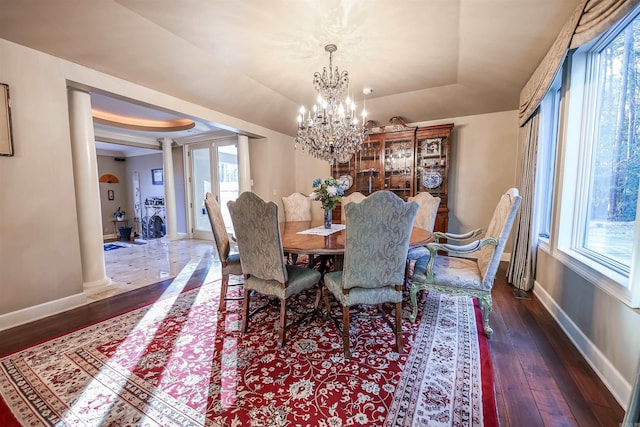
<point x="128" y="354"/>
<point x="179" y="362"/>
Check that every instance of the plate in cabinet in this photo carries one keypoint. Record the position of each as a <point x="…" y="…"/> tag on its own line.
<point x="346" y="181"/>
<point x="431" y="179"/>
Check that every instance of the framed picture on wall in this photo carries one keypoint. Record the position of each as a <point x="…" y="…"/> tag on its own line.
<point x="110" y="194"/>
<point x="157" y="177"/>
<point x="6" y="140"/>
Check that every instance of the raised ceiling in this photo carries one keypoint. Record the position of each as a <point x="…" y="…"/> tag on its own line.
<point x="425" y="59"/>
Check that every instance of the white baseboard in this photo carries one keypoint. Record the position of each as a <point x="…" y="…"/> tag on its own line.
<point x="612" y="379"/>
<point x="29" y="314"/>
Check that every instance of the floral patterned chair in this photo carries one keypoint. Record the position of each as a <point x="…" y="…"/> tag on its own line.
<point x="425" y="219"/>
<point x="258" y="236"/>
<point x="377" y="241"/>
<point x="230" y="261"/>
<point x="356" y="196"/>
<point x="464" y="276"/>
<point x="297" y="207"/>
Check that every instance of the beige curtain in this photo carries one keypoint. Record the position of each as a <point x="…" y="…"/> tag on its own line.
<point x="525" y="233"/>
<point x="590" y="19"/>
<point x="597" y="17"/>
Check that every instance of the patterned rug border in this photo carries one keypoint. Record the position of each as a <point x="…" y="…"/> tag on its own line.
<point x="93" y="323"/>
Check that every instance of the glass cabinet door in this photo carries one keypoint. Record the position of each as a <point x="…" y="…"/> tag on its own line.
<point x="398" y="165"/>
<point x="368" y="165"/>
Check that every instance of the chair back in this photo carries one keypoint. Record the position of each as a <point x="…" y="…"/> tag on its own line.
<point x="427" y="211"/>
<point x="356" y="196"/>
<point x="499" y="227"/>
<point x="378" y="232"/>
<point x="257" y="231"/>
<point x="297" y="207"/>
<point x="218" y="227"/>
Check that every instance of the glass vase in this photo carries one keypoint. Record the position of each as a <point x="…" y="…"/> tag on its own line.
<point x="327" y="218"/>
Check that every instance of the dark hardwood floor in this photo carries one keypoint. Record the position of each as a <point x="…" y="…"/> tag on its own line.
<point x="540" y="378"/>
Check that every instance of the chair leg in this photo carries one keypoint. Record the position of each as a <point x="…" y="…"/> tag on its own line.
<point x="345" y="332"/>
<point x="486" y="305"/>
<point x="283" y="322"/>
<point x="398" y="328"/>
<point x="414" y="302"/>
<point x="406" y="271"/>
<point x="325" y="295"/>
<point x="245" y="310"/>
<point x="316" y="304"/>
<point x="223" y="293"/>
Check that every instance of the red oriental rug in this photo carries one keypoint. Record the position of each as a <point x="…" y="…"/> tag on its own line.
<point x="178" y="362"/>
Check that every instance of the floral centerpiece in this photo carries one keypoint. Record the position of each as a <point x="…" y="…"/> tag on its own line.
<point x="328" y="191"/>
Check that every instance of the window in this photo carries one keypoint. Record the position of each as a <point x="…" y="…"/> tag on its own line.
<point x="600" y="160"/>
<point x="549" y="120"/>
<point x="614" y="159"/>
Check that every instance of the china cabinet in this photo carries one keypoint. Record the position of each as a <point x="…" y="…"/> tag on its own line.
<point x="432" y="167"/>
<point x="403" y="159"/>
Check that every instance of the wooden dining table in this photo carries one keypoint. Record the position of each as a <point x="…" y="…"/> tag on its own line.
<point x="333" y="244"/>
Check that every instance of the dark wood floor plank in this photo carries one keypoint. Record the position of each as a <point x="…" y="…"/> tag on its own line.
<point x="579" y="380"/>
<point x="555" y="358"/>
<point x="510" y="377"/>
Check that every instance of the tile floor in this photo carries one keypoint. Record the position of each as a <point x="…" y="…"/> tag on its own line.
<point x="139" y="265"/>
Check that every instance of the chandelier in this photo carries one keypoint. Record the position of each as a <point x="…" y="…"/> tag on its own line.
<point x="331" y="130"/>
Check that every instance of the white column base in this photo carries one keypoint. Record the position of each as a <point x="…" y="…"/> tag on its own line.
<point x="97" y="286"/>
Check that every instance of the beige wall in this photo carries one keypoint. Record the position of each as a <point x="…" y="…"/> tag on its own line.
<point x="39" y="244"/>
<point x="38" y="220"/>
<point x="484" y="153"/>
<point x="107" y="164"/>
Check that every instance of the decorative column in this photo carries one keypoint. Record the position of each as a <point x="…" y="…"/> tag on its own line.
<point x="244" y="165"/>
<point x="85" y="171"/>
<point x="169" y="190"/>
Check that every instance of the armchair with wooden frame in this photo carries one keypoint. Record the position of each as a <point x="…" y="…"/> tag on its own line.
<point x="425" y="219"/>
<point x="466" y="276"/>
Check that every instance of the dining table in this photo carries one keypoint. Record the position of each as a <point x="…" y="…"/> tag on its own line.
<point x="332" y="244"/>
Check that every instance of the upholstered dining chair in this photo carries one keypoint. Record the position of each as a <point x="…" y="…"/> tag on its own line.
<point x="425" y="219"/>
<point x="257" y="233"/>
<point x="230" y="261"/>
<point x="378" y="230"/>
<point x="465" y="276"/>
<point x="297" y="207"/>
<point x="356" y="196"/>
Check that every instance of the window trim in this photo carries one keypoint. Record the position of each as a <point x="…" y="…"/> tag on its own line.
<point x="572" y="175"/>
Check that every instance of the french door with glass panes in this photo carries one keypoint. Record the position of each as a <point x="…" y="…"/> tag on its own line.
<point x="213" y="168"/>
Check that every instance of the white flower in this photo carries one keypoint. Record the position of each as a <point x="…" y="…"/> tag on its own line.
<point x="314" y="196"/>
<point x="301" y="389"/>
<point x="332" y="190"/>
